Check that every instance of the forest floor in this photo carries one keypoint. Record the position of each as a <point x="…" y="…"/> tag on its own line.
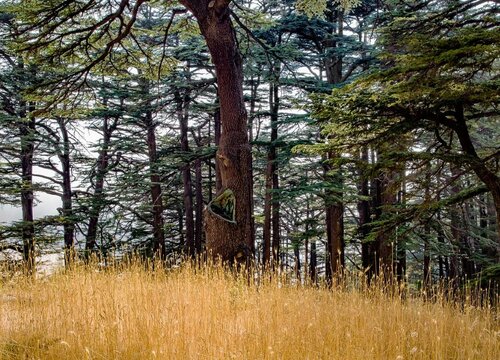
<point x="188" y="313"/>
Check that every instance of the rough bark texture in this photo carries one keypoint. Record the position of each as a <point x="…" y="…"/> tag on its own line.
<point x="334" y="207"/>
<point x="224" y="239"/>
<point x="217" y="131"/>
<point x="385" y="195"/>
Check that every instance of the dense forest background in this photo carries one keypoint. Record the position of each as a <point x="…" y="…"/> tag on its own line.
<point x="373" y="128"/>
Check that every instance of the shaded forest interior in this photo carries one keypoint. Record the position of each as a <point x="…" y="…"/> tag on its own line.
<point x="310" y="136"/>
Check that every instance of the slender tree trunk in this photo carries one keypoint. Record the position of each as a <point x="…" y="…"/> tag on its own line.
<point x="271" y="203"/>
<point x="67" y="199"/>
<point x="440" y="238"/>
<point x="27" y="134"/>
<point x="273" y="160"/>
<point x="367" y="252"/>
<point x="296" y="254"/>
<point x="102" y="164"/>
<point x="156" y="192"/>
<point x="401" y="242"/>
<point x="468" y="245"/>
<point x="266" y="231"/>
<point x="456" y="230"/>
<point x="198" y="239"/>
<point x="182" y="115"/>
<point x="313" y="263"/>
<point x="225" y="239"/>
<point x="427" y="235"/>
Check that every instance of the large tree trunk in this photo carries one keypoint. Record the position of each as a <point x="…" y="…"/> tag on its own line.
<point x="334" y="206"/>
<point x="384" y="197"/>
<point x="334" y="224"/>
<point x="227" y="239"/>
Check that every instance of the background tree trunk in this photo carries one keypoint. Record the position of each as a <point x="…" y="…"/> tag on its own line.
<point x="27" y="134"/>
<point x="271" y="233"/>
<point x="182" y="115"/>
<point x="102" y="164"/>
<point x="156" y="192"/>
<point x="67" y="199"/>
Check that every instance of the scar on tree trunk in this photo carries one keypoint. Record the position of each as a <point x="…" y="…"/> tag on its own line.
<point x="226" y="239"/>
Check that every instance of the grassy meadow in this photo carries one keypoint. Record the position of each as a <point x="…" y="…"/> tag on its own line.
<point x="132" y="313"/>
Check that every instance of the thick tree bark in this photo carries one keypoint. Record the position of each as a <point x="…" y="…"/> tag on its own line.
<point x="334" y="206"/>
<point x="225" y="239"/>
<point x="385" y="196"/>
<point x="334" y="225"/>
<point x="217" y="132"/>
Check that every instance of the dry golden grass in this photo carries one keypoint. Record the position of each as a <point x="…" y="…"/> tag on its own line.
<point x="209" y="314"/>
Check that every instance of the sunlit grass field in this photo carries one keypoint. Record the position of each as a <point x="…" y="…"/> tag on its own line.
<point x="188" y="313"/>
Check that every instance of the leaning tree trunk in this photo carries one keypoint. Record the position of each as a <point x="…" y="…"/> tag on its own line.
<point x="67" y="200"/>
<point x="102" y="167"/>
<point x="488" y="177"/>
<point x="229" y="236"/>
